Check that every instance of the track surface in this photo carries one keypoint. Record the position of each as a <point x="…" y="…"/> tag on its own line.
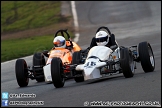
<point x="131" y="22"/>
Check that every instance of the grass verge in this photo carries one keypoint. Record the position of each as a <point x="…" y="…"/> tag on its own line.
<point x="28" y="27"/>
<point x="15" y="48"/>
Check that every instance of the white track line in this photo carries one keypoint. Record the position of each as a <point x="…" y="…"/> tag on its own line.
<point x="16" y="59"/>
<point x="76" y="25"/>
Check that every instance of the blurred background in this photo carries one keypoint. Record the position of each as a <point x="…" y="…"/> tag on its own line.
<point x="30" y="25"/>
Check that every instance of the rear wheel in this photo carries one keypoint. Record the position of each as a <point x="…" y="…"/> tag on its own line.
<point x="57" y="72"/>
<point x="76" y="60"/>
<point x="21" y="72"/>
<point x="126" y="62"/>
<point x="146" y="56"/>
<point x="39" y="60"/>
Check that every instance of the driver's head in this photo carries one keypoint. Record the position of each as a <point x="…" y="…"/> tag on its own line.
<point x="59" y="42"/>
<point x="102" y="38"/>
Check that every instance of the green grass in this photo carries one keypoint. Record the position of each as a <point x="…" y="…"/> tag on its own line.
<point x="15" y="48"/>
<point x="12" y="49"/>
<point x="22" y="15"/>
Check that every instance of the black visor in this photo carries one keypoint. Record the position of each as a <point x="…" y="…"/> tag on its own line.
<point x="101" y="39"/>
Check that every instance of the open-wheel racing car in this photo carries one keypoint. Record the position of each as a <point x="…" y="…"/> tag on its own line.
<point x="42" y="67"/>
<point x="102" y="61"/>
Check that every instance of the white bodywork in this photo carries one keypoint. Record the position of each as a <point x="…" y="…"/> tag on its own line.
<point x="91" y="66"/>
<point x="47" y="73"/>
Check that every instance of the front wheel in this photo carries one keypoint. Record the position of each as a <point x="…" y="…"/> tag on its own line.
<point x="146" y="56"/>
<point x="21" y="72"/>
<point x="57" y="72"/>
<point x="127" y="63"/>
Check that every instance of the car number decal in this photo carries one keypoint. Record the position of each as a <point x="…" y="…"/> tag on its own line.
<point x="90" y="64"/>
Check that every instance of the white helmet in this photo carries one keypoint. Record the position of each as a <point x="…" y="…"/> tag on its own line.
<point x="59" y="42"/>
<point x="102" y="38"/>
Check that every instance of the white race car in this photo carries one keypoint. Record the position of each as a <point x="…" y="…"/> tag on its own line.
<point x="101" y="61"/>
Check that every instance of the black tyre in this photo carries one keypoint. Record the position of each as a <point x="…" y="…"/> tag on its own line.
<point x="127" y="63"/>
<point x="21" y="72"/>
<point x="57" y="72"/>
<point x="146" y="56"/>
<point x="39" y="60"/>
<point x="76" y="60"/>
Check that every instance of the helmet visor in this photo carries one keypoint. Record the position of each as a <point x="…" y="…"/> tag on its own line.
<point x="101" y="39"/>
<point x="59" y="43"/>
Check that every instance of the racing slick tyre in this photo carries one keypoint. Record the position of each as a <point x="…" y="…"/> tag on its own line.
<point x="39" y="60"/>
<point x="146" y="56"/>
<point x="21" y="72"/>
<point x="126" y="62"/>
<point x="57" y="72"/>
<point x="76" y="60"/>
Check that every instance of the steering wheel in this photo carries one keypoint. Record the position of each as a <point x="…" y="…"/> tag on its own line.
<point x="103" y="27"/>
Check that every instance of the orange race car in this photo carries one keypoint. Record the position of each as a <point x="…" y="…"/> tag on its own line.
<point x="48" y="62"/>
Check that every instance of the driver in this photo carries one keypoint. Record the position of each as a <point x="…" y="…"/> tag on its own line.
<point x="103" y="39"/>
<point x="59" y="42"/>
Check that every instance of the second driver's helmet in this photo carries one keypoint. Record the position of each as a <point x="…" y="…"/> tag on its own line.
<point x="59" y="42"/>
<point x="102" y="38"/>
